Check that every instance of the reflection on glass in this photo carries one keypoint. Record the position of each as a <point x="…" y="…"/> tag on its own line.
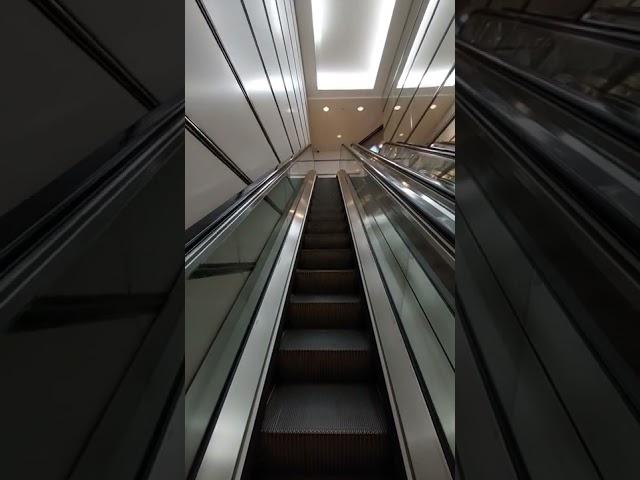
<point x="432" y="165"/>
<point x="221" y="296"/>
<point x="601" y="70"/>
<point x="420" y="283"/>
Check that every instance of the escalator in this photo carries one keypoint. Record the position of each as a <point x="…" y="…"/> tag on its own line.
<point x="335" y="358"/>
<point x="326" y="410"/>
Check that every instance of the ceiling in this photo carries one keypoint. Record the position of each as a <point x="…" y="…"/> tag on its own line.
<point x="350" y="62"/>
<point x="342" y="119"/>
<point x="357" y="38"/>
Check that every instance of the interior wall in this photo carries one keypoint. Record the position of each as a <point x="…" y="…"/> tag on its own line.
<point x="75" y="105"/>
<point x="245" y="95"/>
<point x="420" y="96"/>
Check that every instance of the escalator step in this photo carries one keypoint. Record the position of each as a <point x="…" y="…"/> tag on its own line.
<point x="324" y="356"/>
<point x="326" y="207"/>
<point x="328" y="258"/>
<point x="336" y="211"/>
<point x="326" y="226"/>
<point x="325" y="240"/>
<point x="325" y="281"/>
<point x="324" y="311"/>
<point x="324" y="428"/>
<point x="324" y="477"/>
<point x="326" y="217"/>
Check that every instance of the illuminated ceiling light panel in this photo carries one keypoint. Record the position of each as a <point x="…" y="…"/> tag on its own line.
<point x="349" y="38"/>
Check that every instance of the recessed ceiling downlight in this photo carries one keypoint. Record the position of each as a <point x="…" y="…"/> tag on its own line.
<point x="401" y="135"/>
<point x="433" y="107"/>
<point x="360" y="108"/>
<point x="339" y="136"/>
<point x="325" y="108"/>
<point x="397" y="107"/>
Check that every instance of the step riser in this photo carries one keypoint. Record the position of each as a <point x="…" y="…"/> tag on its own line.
<point x="325" y="210"/>
<point x="326" y="227"/>
<point x="336" y="240"/>
<point x="324" y="454"/>
<point x="324" y="366"/>
<point x="325" y="315"/>
<point x="325" y="282"/>
<point x="326" y="259"/>
<point x="326" y="217"/>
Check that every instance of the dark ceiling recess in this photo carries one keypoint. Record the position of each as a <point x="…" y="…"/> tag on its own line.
<point x="373" y="138"/>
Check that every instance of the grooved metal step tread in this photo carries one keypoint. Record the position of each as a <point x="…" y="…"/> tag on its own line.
<point x="325" y="409"/>
<point x="326" y="258"/>
<point x="324" y="340"/>
<point x="324" y="311"/>
<point x="337" y="355"/>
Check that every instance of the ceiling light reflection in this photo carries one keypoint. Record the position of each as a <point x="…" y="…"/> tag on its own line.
<point x="318" y="14"/>
<point x="428" y="13"/>
<point x="433" y="78"/>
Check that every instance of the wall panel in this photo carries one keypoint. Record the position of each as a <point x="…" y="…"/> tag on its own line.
<point x="208" y="182"/>
<point x="261" y="28"/>
<point x="215" y="102"/>
<point x="129" y="31"/>
<point x="73" y="106"/>
<point x="281" y="50"/>
<point x="243" y="91"/>
<point x="427" y="58"/>
<point x="296" y="60"/>
<point x="424" y="77"/>
<point x="237" y="39"/>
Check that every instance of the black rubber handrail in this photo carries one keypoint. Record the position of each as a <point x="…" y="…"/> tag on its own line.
<point x="213" y="224"/>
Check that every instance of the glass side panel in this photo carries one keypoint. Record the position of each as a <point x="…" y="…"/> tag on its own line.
<point x="420" y="281"/>
<point x="432" y="165"/>
<point x="221" y="295"/>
